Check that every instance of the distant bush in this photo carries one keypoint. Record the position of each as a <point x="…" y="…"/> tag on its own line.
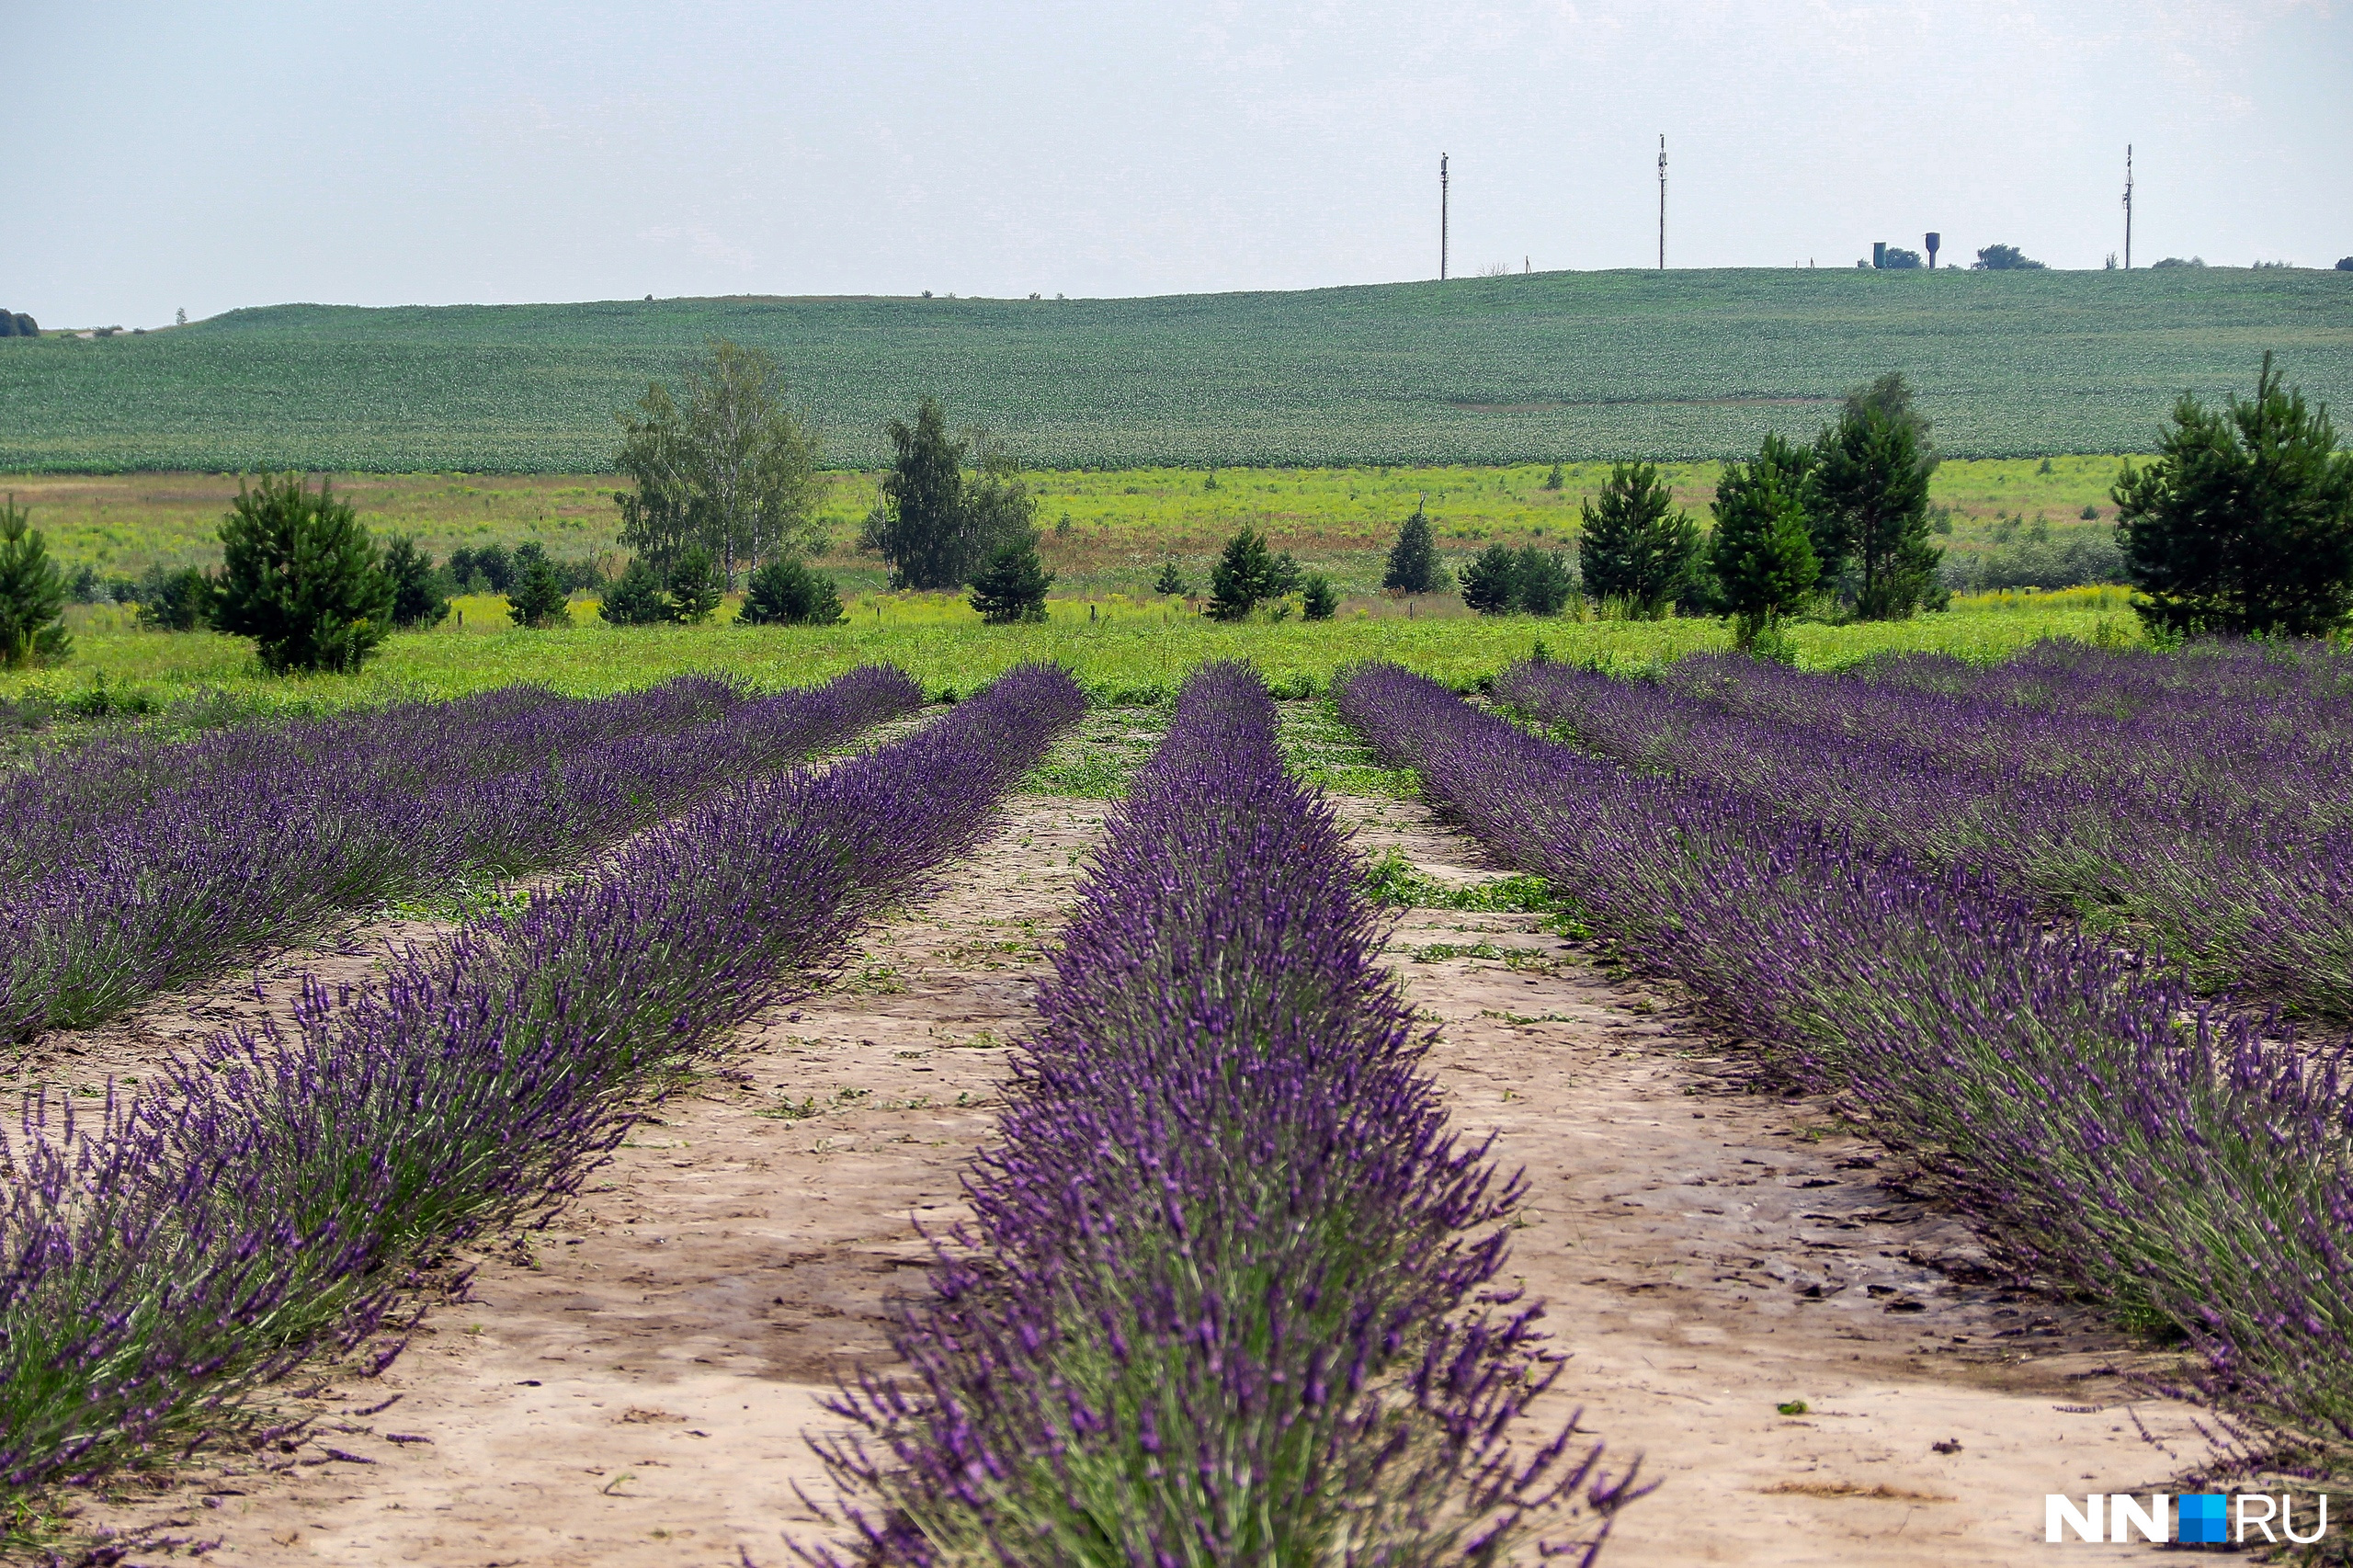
<point x="694" y="586"/>
<point x="1245" y="573"/>
<point x="636" y="597"/>
<point x="1170" y="580"/>
<point x="418" y="599"/>
<point x="1318" y="597"/>
<point x="175" y="599"/>
<point x="1489" y="581"/>
<point x="2090" y="557"/>
<point x="2177" y="261"/>
<point x="536" y="595"/>
<point x="1500" y="580"/>
<point x="785" y="592"/>
<point x="1896" y="258"/>
<point x="18" y="325"/>
<point x="32" y="593"/>
<point x="2006" y="259"/>
<point x="2344" y="264"/>
<point x="302" y="578"/>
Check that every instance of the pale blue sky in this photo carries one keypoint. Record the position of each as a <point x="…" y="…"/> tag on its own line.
<point x="208" y="156"/>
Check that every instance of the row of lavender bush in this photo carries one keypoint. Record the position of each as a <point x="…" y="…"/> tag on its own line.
<point x="2220" y="825"/>
<point x="266" y="1199"/>
<point x="1228" y="1295"/>
<point x="2115" y="1132"/>
<point x="267" y="833"/>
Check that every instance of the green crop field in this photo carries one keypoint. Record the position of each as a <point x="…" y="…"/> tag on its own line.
<point x="1673" y="365"/>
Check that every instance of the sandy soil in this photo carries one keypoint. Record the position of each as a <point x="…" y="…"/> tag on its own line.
<point x="1708" y="1253"/>
<point x="630" y="1386"/>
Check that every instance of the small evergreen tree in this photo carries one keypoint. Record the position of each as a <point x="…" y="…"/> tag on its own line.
<point x="1012" y="586"/>
<point x="1557" y="478"/>
<point x="32" y="593"/>
<point x="1544" y="579"/>
<point x="1413" y="560"/>
<point x="175" y="599"/>
<point x="1491" y="581"/>
<point x="636" y="597"/>
<point x="538" y="599"/>
<point x="1762" y="551"/>
<point x="1869" y="481"/>
<point x="695" y="592"/>
<point x="2244" y="522"/>
<point x="491" y="566"/>
<point x="1317" y="597"/>
<point x="1170" y="580"/>
<point x="1244" y="574"/>
<point x="1638" y="546"/>
<point x="300" y="577"/>
<point x="419" y="603"/>
<point x="785" y="592"/>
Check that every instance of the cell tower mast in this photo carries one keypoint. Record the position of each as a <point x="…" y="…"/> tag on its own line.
<point x="1662" y="201"/>
<point x="2127" y="207"/>
<point x="1442" y="217"/>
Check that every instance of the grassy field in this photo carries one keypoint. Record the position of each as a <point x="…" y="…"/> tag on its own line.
<point x="1105" y="531"/>
<point x="1683" y="363"/>
<point x="1120" y="650"/>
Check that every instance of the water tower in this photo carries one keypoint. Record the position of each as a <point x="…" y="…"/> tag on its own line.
<point x="1934" y="241"/>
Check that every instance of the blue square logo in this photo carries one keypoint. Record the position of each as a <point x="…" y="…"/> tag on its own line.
<point x="2205" y="1518"/>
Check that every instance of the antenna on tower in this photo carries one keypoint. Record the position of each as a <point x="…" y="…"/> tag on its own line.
<point x="1662" y="201"/>
<point x="1442" y="217"/>
<point x="2127" y="207"/>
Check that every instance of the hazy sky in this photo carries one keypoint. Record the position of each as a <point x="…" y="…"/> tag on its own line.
<point x="161" y="156"/>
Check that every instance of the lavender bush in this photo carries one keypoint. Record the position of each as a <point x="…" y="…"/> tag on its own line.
<point x="166" y="868"/>
<point x="1228" y="1296"/>
<point x="2187" y="1164"/>
<point x="264" y="1200"/>
<point x="2221" y="825"/>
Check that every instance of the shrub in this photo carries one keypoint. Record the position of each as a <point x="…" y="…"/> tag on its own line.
<point x="636" y="597"/>
<point x="1491" y="581"/>
<point x="490" y="567"/>
<point x="1544" y="580"/>
<point x="1318" y="598"/>
<point x="1413" y="560"/>
<point x="1170" y="580"/>
<point x="175" y="599"/>
<point x="32" y="593"/>
<point x="2244" y="522"/>
<point x="1012" y="586"/>
<point x="2005" y="258"/>
<point x="694" y="586"/>
<point x="300" y="577"/>
<point x="785" y="592"/>
<point x="538" y="599"/>
<point x="418" y="601"/>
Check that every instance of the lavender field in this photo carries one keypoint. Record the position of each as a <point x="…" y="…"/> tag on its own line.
<point x="2034" y="925"/>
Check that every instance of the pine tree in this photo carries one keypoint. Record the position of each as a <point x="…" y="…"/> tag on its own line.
<point x="32" y="593"/>
<point x="2244" y="522"/>
<point x="1317" y="597"/>
<point x="1491" y="581"/>
<point x="1413" y="560"/>
<point x="1244" y="574"/>
<point x="1012" y="586"/>
<point x="1556" y="479"/>
<point x="538" y="599"/>
<point x="1638" y="547"/>
<point x="1762" y="552"/>
<point x="1170" y="580"/>
<point x="636" y="598"/>
<point x="1870" y="483"/>
<point x="300" y="577"/>
<point x="695" y="591"/>
<point x="175" y="599"/>
<point x="419" y="603"/>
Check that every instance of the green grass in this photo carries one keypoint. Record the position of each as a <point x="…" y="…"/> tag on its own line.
<point x="1104" y="532"/>
<point x="1133" y="654"/>
<point x="1683" y="365"/>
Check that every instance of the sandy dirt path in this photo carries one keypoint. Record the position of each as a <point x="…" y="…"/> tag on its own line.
<point x="631" y="1386"/>
<point x="1708" y="1253"/>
